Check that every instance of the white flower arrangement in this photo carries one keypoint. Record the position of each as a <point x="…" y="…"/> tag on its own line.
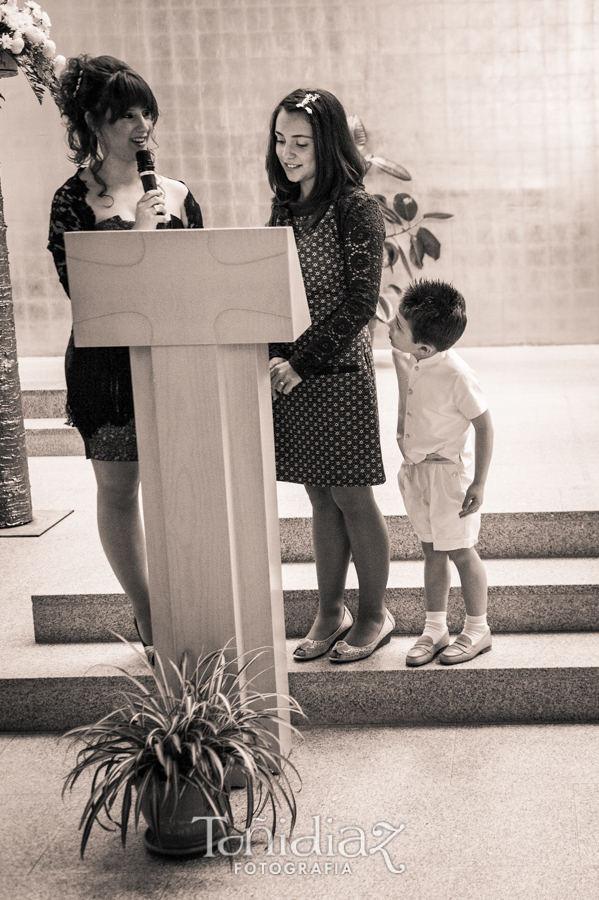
<point x="25" y="34"/>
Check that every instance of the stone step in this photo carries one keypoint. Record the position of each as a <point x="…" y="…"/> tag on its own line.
<point x="51" y="437"/>
<point x="525" y="678"/>
<point x="44" y="404"/>
<point x="525" y="596"/>
<point x="502" y="536"/>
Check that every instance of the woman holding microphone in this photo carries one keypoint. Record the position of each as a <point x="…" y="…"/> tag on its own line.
<point x="110" y="113"/>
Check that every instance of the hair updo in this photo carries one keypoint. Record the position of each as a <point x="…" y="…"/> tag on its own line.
<point x="95" y="86"/>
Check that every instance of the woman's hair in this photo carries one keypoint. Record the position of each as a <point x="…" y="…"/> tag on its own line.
<point x="339" y="166"/>
<point x="98" y="85"/>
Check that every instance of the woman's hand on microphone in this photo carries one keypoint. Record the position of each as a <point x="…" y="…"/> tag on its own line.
<point x="151" y="209"/>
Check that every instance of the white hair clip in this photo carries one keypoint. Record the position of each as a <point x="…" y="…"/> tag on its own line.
<point x="309" y="98"/>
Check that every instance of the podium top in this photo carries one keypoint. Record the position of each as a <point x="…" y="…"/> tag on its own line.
<point x="185" y="286"/>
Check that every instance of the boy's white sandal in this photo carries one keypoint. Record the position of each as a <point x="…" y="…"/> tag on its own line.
<point x="463" y="649"/>
<point x="424" y="650"/>
<point x="343" y="652"/>
<point x="309" y="649"/>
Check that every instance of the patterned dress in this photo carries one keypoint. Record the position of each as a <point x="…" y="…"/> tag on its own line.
<point x="99" y="390"/>
<point x="327" y="427"/>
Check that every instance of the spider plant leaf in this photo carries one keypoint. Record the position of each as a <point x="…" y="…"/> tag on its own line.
<point x="405" y="206"/>
<point x="431" y="245"/>
<point x="125" y="811"/>
<point x="176" y="741"/>
<point x="157" y="747"/>
<point x="389" y="167"/>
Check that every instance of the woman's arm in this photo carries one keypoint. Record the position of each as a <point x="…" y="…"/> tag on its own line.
<point x="362" y="234"/>
<point x="69" y="212"/>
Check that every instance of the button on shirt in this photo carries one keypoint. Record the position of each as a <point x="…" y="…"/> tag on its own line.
<point x="438" y="398"/>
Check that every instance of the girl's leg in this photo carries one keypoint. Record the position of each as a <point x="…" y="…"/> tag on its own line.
<point x="332" y="555"/>
<point x="369" y="542"/>
<point x="122" y="534"/>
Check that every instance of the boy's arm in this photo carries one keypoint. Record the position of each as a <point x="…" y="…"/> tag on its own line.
<point x="483" y="450"/>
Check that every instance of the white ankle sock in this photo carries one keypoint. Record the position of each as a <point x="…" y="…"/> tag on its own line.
<point x="435" y="625"/>
<point x="475" y="627"/>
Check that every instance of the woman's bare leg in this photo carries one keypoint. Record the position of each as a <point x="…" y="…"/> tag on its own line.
<point x="332" y="555"/>
<point x="122" y="534"/>
<point x="347" y="523"/>
<point x="369" y="541"/>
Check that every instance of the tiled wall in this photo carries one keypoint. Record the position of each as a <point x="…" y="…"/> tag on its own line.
<point x="492" y="106"/>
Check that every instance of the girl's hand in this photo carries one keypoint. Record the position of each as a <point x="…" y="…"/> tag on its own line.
<point x="283" y="377"/>
<point x="151" y="210"/>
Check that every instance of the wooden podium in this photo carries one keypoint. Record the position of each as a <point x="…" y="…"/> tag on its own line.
<point x="197" y="308"/>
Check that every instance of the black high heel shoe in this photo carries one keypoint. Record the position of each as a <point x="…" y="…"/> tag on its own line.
<point x="148" y="648"/>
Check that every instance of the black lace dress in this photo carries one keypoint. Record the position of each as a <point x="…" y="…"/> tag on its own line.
<point x="327" y="428"/>
<point x="99" y="390"/>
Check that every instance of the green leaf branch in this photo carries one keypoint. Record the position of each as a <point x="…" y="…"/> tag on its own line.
<point x="400" y="215"/>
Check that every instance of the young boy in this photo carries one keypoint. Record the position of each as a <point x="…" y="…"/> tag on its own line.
<point x="441" y="479"/>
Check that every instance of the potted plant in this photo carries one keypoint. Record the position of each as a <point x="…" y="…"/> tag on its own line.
<point x="402" y="218"/>
<point x="173" y="756"/>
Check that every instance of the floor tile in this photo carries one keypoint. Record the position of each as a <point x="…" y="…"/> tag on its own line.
<point x="586" y="799"/>
<point x="504" y="754"/>
<point x="513" y="824"/>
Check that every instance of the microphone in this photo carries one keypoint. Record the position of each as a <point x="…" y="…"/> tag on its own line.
<point x="145" y="167"/>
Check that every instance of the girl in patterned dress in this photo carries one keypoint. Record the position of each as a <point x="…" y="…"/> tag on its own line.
<point x="324" y="393"/>
<point x="110" y="114"/>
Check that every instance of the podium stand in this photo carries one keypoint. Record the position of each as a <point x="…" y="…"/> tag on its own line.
<point x="197" y="309"/>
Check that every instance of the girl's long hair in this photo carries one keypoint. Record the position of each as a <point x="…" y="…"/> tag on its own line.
<point x="339" y="166"/>
<point x="97" y="86"/>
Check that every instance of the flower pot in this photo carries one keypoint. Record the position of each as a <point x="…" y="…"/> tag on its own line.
<point x="8" y="65"/>
<point x="177" y="834"/>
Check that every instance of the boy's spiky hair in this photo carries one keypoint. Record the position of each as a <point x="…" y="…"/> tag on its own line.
<point x="435" y="312"/>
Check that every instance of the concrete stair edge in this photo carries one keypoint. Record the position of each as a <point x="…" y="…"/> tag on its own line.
<point x="42" y="403"/>
<point x="524" y="679"/>
<point x="515" y="609"/>
<point x="52" y="437"/>
<point x="520" y="535"/>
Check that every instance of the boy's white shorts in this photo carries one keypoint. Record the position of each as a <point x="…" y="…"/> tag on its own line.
<point x="433" y="493"/>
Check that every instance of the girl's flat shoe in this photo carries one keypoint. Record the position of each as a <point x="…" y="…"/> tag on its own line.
<point x="463" y="649"/>
<point x="309" y="649"/>
<point x="343" y="652"/>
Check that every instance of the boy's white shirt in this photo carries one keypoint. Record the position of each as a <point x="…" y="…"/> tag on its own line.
<point x="438" y="398"/>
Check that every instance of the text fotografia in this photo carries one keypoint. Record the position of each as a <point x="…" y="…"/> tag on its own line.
<point x="351" y="842"/>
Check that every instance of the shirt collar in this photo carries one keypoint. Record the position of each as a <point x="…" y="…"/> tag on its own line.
<point x="427" y="363"/>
